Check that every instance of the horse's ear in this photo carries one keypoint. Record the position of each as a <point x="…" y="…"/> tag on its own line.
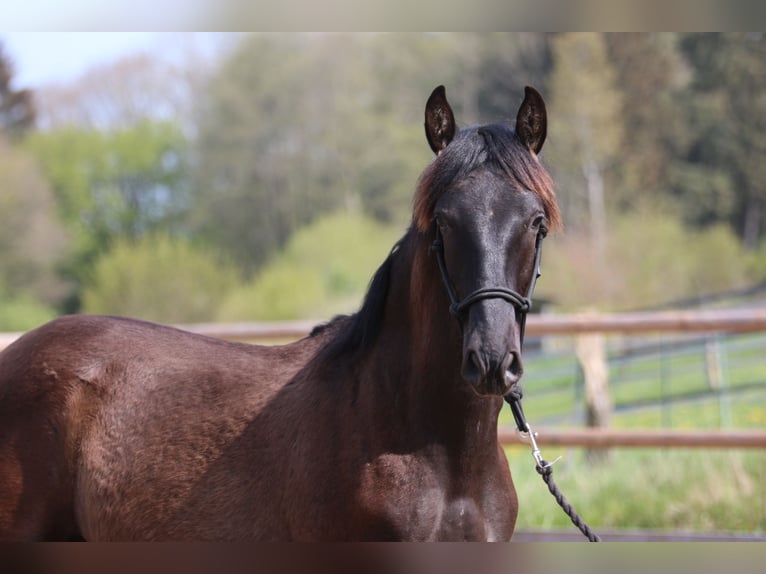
<point x="532" y="120"/>
<point x="440" y="121"/>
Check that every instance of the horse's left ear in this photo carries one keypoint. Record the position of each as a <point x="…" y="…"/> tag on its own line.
<point x="440" y="121"/>
<point x="532" y="120"/>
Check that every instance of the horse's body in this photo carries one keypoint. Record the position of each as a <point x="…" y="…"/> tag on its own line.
<point x="376" y="426"/>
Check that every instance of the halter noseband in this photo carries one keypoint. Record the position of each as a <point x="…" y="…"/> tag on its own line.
<point x="457" y="306"/>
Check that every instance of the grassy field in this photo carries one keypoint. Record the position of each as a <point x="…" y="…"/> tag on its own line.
<point x="662" y="489"/>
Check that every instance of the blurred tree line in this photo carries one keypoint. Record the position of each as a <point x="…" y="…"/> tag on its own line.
<point x="269" y="182"/>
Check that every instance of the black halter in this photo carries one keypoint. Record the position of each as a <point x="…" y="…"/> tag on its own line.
<point x="457" y="306"/>
<point x="521" y="303"/>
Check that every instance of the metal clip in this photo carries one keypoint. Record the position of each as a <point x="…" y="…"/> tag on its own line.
<point x="536" y="454"/>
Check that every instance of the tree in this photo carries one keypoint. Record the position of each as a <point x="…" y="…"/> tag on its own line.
<point x="508" y="63"/>
<point x="121" y="182"/>
<point x="293" y="127"/>
<point x="723" y="178"/>
<point x="32" y="241"/>
<point x="586" y="108"/>
<point x="17" y="110"/>
<point x="653" y="78"/>
<point x="119" y="95"/>
<point x="108" y="185"/>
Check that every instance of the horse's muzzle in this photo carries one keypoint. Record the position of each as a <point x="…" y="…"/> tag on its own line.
<point x="492" y="362"/>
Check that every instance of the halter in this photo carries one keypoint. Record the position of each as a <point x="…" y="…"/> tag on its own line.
<point x="457" y="306"/>
<point x="521" y="303"/>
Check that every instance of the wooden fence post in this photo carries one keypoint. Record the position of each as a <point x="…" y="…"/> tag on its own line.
<point x="591" y="353"/>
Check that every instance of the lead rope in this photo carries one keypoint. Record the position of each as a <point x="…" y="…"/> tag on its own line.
<point x="545" y="468"/>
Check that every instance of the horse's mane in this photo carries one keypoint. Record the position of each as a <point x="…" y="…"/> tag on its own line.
<point x="354" y="333"/>
<point x="493" y="147"/>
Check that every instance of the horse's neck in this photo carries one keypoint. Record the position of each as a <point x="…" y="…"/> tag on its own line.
<point x="418" y="358"/>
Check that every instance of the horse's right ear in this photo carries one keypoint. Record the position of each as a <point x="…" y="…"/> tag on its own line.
<point x="532" y="120"/>
<point x="440" y="121"/>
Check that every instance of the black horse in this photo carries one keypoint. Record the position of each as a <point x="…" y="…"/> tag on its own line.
<point x="381" y="425"/>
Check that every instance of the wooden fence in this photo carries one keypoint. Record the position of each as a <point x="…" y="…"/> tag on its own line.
<point x="711" y="321"/>
<point x="699" y="321"/>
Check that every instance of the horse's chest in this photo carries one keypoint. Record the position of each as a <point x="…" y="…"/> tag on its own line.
<point x="417" y="502"/>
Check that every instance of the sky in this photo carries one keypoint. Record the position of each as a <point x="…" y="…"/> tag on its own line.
<point x="43" y="58"/>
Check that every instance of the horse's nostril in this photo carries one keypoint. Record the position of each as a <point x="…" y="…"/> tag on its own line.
<point x="474" y="369"/>
<point x="477" y="364"/>
<point x="514" y="368"/>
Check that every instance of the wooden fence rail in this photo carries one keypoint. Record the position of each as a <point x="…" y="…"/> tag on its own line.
<point x="698" y="321"/>
<point x="595" y="438"/>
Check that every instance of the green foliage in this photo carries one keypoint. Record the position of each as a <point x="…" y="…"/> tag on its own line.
<point x="297" y="126"/>
<point x="23" y="313"/>
<point x="585" y="100"/>
<point x="653" y="79"/>
<point x="281" y="292"/>
<point x="757" y="263"/>
<point x="726" y="110"/>
<point x="345" y="247"/>
<point x="323" y="270"/>
<point x="32" y="240"/>
<point x="585" y="109"/>
<point x="159" y="278"/>
<point x="17" y="109"/>
<point x="658" y="260"/>
<point x="651" y="259"/>
<point x="113" y="184"/>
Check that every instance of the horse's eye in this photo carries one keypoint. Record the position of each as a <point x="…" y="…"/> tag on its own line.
<point x="539" y="224"/>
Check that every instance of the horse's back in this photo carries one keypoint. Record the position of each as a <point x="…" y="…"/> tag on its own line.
<point x="110" y="425"/>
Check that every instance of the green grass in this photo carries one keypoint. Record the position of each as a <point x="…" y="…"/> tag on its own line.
<point x="742" y="410"/>
<point x="661" y="489"/>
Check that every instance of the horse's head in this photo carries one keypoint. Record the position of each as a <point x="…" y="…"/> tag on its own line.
<point x="487" y="202"/>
